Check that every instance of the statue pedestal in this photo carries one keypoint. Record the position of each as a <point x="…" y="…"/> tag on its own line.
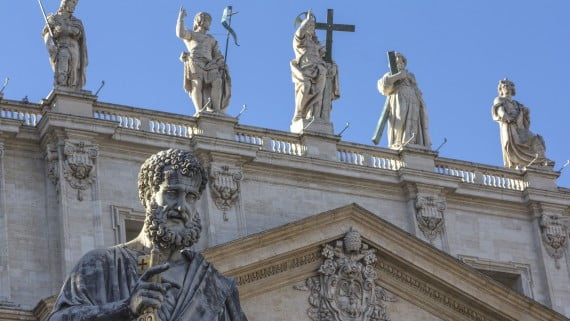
<point x="70" y="102"/>
<point x="216" y="125"/>
<point x="320" y="146"/>
<point x="301" y="126"/>
<point x="542" y="178"/>
<point x="418" y="157"/>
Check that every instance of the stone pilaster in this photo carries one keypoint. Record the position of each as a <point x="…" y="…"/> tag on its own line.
<point x="221" y="206"/>
<point x="71" y="166"/>
<point x="5" y="288"/>
<point x="550" y="226"/>
<point x="426" y="209"/>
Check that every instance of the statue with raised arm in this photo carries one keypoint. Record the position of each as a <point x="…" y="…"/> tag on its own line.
<point x="64" y="36"/>
<point x="310" y="72"/>
<point x="521" y="147"/>
<point x="407" y="112"/>
<point x="206" y="76"/>
<point x="156" y="276"/>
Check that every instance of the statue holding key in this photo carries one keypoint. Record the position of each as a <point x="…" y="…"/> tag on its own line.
<point x="404" y="111"/>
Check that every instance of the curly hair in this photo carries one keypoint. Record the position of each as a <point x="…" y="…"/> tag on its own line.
<point x="508" y="83"/>
<point x="152" y="171"/>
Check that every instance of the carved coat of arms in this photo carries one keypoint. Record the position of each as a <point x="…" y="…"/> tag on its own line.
<point x="554" y="235"/>
<point x="78" y="167"/>
<point x="225" y="187"/>
<point x="429" y="215"/>
<point x="346" y="289"/>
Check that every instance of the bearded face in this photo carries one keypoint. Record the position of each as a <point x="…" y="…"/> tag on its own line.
<point x="172" y="221"/>
<point x="163" y="234"/>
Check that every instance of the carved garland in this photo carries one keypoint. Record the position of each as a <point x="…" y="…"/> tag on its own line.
<point x="429" y="215"/>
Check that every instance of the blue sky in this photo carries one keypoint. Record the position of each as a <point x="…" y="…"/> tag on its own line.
<point x="458" y="51"/>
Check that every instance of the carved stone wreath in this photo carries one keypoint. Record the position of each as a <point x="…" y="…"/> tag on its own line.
<point x="346" y="289"/>
<point x="225" y="187"/>
<point x="78" y="167"/>
<point x="429" y="215"/>
<point x="554" y="236"/>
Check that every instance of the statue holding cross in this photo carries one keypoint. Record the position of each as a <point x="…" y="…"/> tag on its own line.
<point x="315" y="74"/>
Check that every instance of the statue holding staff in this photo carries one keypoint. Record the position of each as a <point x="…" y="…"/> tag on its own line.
<point x="406" y="111"/>
<point x="206" y="76"/>
<point x="309" y="70"/>
<point x="64" y="36"/>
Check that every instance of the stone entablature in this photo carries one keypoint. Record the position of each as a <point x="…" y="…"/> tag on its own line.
<point x="163" y="123"/>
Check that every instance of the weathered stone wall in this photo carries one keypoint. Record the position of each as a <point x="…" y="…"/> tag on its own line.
<point x="486" y="213"/>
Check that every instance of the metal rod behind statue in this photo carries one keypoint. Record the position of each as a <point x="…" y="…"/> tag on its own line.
<point x="47" y="23"/>
<point x="229" y="13"/>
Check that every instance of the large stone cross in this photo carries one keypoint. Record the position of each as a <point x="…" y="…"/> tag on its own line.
<point x="329" y="26"/>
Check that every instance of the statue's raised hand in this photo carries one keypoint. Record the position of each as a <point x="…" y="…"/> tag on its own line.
<point x="149" y="294"/>
<point x="182" y="13"/>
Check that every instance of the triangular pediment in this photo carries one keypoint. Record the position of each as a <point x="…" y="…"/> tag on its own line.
<point x="420" y="281"/>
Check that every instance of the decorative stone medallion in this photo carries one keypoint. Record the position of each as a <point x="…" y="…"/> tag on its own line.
<point x="225" y="187"/>
<point x="554" y="236"/>
<point x="346" y="289"/>
<point x="78" y="167"/>
<point x="429" y="215"/>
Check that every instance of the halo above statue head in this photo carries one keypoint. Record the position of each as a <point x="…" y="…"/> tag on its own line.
<point x="302" y="16"/>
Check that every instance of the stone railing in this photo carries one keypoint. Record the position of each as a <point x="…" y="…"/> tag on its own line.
<point x="29" y="114"/>
<point x="363" y="155"/>
<point x="481" y="174"/>
<point x="271" y="140"/>
<point x="147" y="120"/>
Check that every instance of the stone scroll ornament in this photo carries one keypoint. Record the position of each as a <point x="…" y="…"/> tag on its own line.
<point x="225" y="187"/>
<point x="78" y="167"/>
<point x="429" y="215"/>
<point x="345" y="288"/>
<point x="554" y="236"/>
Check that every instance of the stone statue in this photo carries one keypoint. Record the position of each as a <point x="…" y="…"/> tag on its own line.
<point x="408" y="118"/>
<point x="521" y="147"/>
<point x="206" y="76"/>
<point x="316" y="81"/>
<point x="68" y="47"/>
<point x="118" y="283"/>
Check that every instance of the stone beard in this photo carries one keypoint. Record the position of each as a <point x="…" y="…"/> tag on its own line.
<point x="163" y="236"/>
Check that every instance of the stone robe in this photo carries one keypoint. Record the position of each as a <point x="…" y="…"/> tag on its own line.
<point x="108" y="276"/>
<point x="68" y="57"/>
<point x="310" y="72"/>
<point x="407" y="111"/>
<point x="520" y="146"/>
<point x="202" y="62"/>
